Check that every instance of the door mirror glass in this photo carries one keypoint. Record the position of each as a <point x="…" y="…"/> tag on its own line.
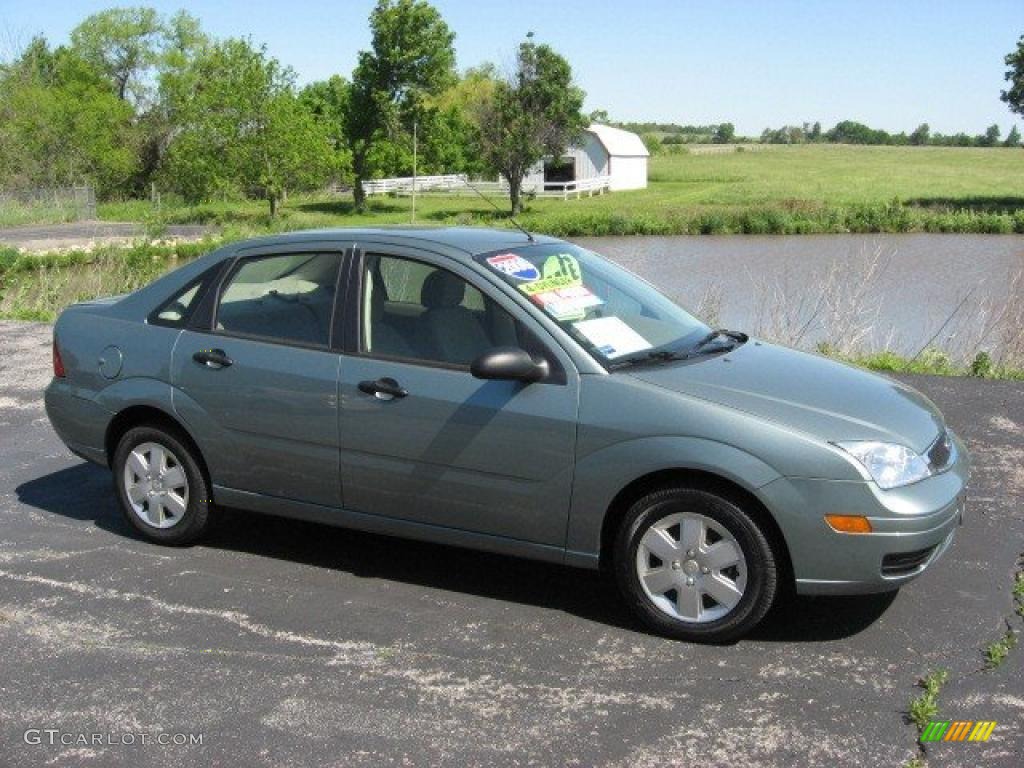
<point x="509" y="364"/>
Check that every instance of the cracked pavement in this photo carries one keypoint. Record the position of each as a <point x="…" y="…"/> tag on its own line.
<point x="287" y="643"/>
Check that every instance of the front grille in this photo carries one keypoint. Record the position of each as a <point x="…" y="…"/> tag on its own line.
<point x="903" y="563"/>
<point x="940" y="453"/>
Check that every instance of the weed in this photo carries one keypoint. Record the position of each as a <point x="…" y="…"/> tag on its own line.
<point x="924" y="707"/>
<point x="997" y="651"/>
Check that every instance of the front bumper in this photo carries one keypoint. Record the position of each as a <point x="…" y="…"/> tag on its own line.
<point x="912" y="527"/>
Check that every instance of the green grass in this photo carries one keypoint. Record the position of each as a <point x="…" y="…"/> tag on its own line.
<point x="923" y="708"/>
<point x="996" y="652"/>
<point x="781" y="190"/>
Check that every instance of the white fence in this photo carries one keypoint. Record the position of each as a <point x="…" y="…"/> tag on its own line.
<point x="457" y="184"/>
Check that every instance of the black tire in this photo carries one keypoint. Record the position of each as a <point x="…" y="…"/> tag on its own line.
<point x="195" y="519"/>
<point x="761" y="567"/>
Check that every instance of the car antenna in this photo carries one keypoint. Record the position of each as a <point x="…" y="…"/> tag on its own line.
<point x="493" y="205"/>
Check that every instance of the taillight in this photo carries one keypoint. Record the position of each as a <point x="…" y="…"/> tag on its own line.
<point x="58" y="364"/>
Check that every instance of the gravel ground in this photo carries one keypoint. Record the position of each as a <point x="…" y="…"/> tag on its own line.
<point x="86" y="234"/>
<point x="284" y="644"/>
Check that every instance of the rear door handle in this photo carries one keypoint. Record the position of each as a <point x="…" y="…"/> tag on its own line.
<point x="384" y="388"/>
<point x="212" y="358"/>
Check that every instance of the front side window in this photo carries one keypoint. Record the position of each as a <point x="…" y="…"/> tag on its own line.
<point x="415" y="311"/>
<point x="284" y="298"/>
<point x="611" y="312"/>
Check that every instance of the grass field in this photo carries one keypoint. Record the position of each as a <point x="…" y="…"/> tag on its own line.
<point x="782" y="190"/>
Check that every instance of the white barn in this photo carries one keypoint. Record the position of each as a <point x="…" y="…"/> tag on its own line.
<point x="604" y="151"/>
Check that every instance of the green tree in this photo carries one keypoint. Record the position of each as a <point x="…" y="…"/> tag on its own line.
<point x="1014" y="95"/>
<point x="724" y="134"/>
<point x="534" y="113"/>
<point x="242" y="129"/>
<point x="1012" y="138"/>
<point x="328" y="101"/>
<point x="121" y="43"/>
<point x="990" y="138"/>
<point x="411" y="57"/>
<point x="60" y="124"/>
<point x="920" y="135"/>
<point x="653" y="143"/>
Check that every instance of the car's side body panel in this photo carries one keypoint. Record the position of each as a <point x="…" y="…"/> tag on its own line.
<point x="493" y="457"/>
<point x="269" y="421"/>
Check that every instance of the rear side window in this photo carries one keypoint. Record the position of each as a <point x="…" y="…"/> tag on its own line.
<point x="282" y="298"/>
<point x="176" y="310"/>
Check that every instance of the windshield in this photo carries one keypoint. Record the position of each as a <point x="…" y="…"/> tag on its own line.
<point x="613" y="313"/>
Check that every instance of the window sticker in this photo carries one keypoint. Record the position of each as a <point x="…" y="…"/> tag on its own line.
<point x="569" y="303"/>
<point x="514" y="266"/>
<point x="563" y="264"/>
<point x="546" y="284"/>
<point x="611" y="336"/>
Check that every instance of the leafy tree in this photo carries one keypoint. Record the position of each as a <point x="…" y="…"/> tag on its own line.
<point x="1012" y="138"/>
<point x="920" y="135"/>
<point x="1014" y="95"/>
<point x="328" y="101"/>
<point x="121" y="43"/>
<point x="600" y="116"/>
<point x="60" y="124"/>
<point x="243" y="129"/>
<point x="724" y="134"/>
<point x="815" y="133"/>
<point x="653" y="143"/>
<point x="410" y="58"/>
<point x="536" y="112"/>
<point x="990" y="138"/>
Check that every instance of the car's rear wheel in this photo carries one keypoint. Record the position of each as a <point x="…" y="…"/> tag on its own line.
<point x="161" y="487"/>
<point x="694" y="565"/>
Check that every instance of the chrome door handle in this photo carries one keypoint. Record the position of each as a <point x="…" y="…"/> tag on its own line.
<point x="384" y="388"/>
<point x="212" y="358"/>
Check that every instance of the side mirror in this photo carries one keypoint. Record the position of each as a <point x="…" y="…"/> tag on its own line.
<point x="510" y="364"/>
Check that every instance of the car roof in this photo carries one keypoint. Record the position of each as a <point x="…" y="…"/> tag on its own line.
<point x="469" y="240"/>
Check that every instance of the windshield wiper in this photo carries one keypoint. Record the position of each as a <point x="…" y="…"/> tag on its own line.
<point x="702" y="347"/>
<point x="661" y="355"/>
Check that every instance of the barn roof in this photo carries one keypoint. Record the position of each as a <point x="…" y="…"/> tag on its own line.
<point x="619" y="142"/>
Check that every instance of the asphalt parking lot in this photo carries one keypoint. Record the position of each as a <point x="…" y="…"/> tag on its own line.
<point x="282" y="643"/>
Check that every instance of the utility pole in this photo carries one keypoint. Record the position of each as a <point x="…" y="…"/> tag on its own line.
<point x="414" y="148"/>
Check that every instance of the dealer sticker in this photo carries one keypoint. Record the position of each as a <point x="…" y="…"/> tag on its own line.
<point x="514" y="266"/>
<point x="569" y="303"/>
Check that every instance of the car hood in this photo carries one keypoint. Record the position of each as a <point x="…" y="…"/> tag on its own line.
<point x="806" y="392"/>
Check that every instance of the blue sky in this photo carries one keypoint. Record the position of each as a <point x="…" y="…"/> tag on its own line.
<point x="890" y="64"/>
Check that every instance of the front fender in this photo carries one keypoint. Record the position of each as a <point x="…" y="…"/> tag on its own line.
<point x="602" y="474"/>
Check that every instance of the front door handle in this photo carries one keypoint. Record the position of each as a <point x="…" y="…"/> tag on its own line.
<point x="384" y="388"/>
<point x="212" y="358"/>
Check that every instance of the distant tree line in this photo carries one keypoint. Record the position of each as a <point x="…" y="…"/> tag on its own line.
<point x="851" y="132"/>
<point x="135" y="99"/>
<point x="659" y="137"/>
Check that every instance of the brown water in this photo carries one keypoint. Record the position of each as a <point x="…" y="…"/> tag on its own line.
<point x="919" y="284"/>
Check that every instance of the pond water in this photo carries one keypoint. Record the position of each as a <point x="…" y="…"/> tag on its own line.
<point x="868" y="291"/>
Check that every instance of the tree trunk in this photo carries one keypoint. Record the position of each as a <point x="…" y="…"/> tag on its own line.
<point x="515" y="186"/>
<point x="359" y="170"/>
<point x="273" y="206"/>
<point x="358" y="195"/>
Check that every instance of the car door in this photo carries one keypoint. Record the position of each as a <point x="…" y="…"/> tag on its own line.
<point x="425" y="441"/>
<point x="256" y="379"/>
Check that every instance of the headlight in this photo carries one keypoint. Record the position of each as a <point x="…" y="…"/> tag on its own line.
<point x="890" y="465"/>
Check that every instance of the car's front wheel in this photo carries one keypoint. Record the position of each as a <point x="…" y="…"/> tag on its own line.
<point x="694" y="565"/>
<point x="162" y="490"/>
